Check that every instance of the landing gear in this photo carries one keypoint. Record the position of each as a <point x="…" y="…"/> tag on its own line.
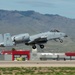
<point x="41" y="46"/>
<point x="61" y="41"/>
<point x="34" y="47"/>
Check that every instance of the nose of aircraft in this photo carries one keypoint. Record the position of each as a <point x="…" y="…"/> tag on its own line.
<point x="64" y="35"/>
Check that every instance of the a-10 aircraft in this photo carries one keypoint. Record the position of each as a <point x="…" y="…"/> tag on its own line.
<point x="32" y="40"/>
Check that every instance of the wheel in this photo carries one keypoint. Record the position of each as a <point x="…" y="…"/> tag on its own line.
<point x="61" y="41"/>
<point x="41" y="46"/>
<point x="34" y="47"/>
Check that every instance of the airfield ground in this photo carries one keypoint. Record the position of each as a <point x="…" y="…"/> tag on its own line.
<point x="52" y="63"/>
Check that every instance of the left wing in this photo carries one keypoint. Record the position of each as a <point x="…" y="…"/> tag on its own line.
<point x="38" y="40"/>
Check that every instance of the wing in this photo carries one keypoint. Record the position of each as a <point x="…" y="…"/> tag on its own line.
<point x="38" y="40"/>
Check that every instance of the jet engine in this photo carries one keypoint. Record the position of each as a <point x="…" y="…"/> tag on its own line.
<point x="21" y="38"/>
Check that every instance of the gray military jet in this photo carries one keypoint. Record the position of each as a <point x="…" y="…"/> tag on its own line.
<point x="32" y="40"/>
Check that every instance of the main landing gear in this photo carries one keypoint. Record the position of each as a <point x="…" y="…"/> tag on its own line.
<point x="34" y="47"/>
<point x="41" y="46"/>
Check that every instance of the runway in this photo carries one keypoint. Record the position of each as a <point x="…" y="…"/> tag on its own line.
<point x="52" y="63"/>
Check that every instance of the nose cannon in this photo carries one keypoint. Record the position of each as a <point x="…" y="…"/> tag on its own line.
<point x="65" y="36"/>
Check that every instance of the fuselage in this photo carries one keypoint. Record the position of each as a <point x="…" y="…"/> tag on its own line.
<point x="24" y="38"/>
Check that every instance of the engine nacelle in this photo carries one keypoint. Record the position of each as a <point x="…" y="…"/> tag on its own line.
<point x="21" y="38"/>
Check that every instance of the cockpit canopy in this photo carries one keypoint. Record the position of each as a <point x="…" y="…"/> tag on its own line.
<point x="55" y="30"/>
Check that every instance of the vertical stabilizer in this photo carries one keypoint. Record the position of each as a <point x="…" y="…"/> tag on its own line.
<point x="1" y="38"/>
<point x="7" y="40"/>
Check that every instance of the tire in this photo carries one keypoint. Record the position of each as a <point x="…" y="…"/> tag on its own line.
<point x="61" y="41"/>
<point x="34" y="47"/>
<point x="41" y="46"/>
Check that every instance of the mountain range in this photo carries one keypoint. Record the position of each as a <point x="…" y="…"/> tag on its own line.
<point x="16" y="22"/>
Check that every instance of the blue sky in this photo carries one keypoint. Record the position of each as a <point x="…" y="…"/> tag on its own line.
<point x="62" y="7"/>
